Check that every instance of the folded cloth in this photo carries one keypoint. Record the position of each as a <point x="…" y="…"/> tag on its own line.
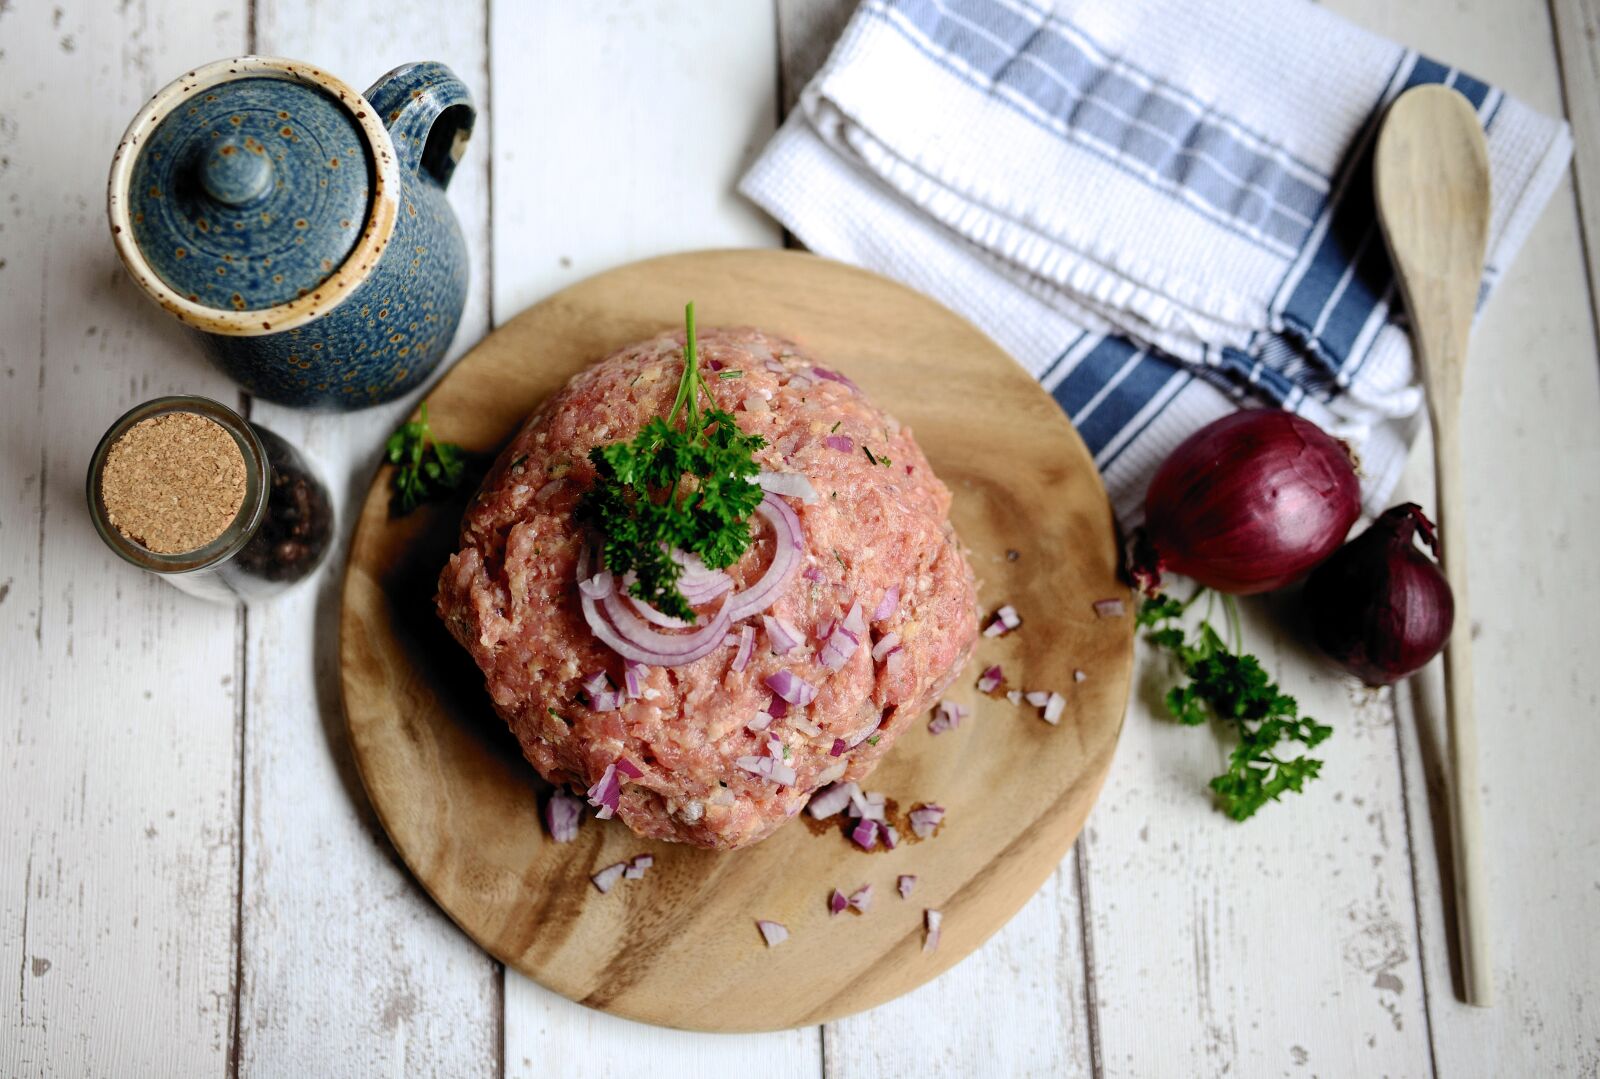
<point x="1163" y="209"/>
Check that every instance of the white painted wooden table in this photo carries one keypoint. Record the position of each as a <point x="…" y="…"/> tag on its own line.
<point x="191" y="882"/>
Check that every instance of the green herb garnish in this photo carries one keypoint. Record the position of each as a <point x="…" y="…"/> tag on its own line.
<point x="1228" y="685"/>
<point x="429" y="469"/>
<point x="690" y="488"/>
<point x="730" y="374"/>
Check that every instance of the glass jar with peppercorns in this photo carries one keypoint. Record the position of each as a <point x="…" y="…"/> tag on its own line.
<point x="222" y="508"/>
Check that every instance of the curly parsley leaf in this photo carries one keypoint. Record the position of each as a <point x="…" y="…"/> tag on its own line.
<point x="1232" y="687"/>
<point x="428" y="469"/>
<point x="688" y="488"/>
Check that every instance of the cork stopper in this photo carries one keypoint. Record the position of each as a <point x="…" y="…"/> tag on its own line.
<point x="173" y="483"/>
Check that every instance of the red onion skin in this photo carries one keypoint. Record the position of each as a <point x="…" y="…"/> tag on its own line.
<point x="1380" y="607"/>
<point x="1249" y="503"/>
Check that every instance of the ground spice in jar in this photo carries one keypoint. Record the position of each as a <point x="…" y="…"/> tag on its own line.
<point x="173" y="483"/>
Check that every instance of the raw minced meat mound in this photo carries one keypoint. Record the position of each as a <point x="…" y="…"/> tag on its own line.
<point x="879" y="523"/>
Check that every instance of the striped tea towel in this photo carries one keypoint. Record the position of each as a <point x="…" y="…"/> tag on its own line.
<point x="1162" y="208"/>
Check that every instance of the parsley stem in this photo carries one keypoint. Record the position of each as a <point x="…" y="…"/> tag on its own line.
<point x="1235" y="624"/>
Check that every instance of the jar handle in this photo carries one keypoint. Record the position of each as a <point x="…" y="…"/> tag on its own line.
<point x="429" y="114"/>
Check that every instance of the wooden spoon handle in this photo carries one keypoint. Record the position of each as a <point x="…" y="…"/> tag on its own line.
<point x="1466" y="819"/>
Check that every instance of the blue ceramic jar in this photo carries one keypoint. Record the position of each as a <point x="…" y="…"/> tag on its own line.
<point x="301" y="228"/>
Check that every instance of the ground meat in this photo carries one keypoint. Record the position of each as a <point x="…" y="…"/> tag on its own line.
<point x="510" y="597"/>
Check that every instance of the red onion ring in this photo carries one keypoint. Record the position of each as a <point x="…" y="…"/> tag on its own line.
<point x="631" y="638"/>
<point x="786" y="549"/>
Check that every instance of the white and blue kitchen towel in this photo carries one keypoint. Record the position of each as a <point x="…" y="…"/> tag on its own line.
<point x="1161" y="208"/>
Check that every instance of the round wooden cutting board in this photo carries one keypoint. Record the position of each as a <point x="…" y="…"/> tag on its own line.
<point x="680" y="946"/>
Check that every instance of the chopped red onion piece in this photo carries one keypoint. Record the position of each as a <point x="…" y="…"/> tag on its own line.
<point x="1037" y="697"/>
<point x="609" y="700"/>
<point x="792" y="689"/>
<point x="990" y="680"/>
<point x="838" y="748"/>
<point x="861" y="898"/>
<point x="773" y="933"/>
<point x="824" y="629"/>
<point x="886" y="605"/>
<point x="755" y="765"/>
<point x="854" y="622"/>
<point x="563" y="814"/>
<point x="1054" y="707"/>
<point x="811" y="573"/>
<point x="828" y="801"/>
<point x="805" y="726"/>
<point x="831" y="773"/>
<point x="1110" y="608"/>
<point x="628" y="768"/>
<point x="792" y="484"/>
<point x="774" y="747"/>
<point x="893" y="663"/>
<point x="837" y="903"/>
<point x="781" y="633"/>
<point x="890" y="837"/>
<point x="905" y="883"/>
<point x="597" y="587"/>
<point x="643" y="861"/>
<point x="931" y="918"/>
<point x="1014" y="696"/>
<point x="609" y="876"/>
<point x="606" y="792"/>
<point x="834" y="376"/>
<point x="633" y="676"/>
<point x="760" y="723"/>
<point x="595" y="684"/>
<point x="838" y="648"/>
<point x="747" y="647"/>
<point x="782" y="774"/>
<point x="840" y="443"/>
<point x="887" y="644"/>
<point x="867" y="806"/>
<point x="865" y="834"/>
<point x="1078" y="676"/>
<point x="948" y="717"/>
<point x="777" y="707"/>
<point x="925" y="820"/>
<point x="1006" y="619"/>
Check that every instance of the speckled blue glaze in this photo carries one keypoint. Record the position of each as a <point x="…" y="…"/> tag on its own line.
<point x="255" y="194"/>
<point x="250" y="195"/>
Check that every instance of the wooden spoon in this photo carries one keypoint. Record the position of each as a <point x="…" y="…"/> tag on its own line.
<point x="1431" y="178"/>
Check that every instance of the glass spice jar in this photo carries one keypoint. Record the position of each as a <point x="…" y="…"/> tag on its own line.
<point x="279" y="532"/>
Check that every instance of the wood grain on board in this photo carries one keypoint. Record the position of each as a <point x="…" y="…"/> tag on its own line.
<point x="680" y="947"/>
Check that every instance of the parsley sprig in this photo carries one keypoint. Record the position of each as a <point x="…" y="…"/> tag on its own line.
<point x="688" y="488"/>
<point x="428" y="469"/>
<point x="1231" y="686"/>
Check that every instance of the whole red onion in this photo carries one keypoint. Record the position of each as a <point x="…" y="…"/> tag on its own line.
<point x="1248" y="503"/>
<point x="1380" y="607"/>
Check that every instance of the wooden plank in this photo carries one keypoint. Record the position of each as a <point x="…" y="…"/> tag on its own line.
<point x="348" y="967"/>
<point x="1283" y="942"/>
<point x="118" y="780"/>
<point x="1577" y="27"/>
<point x="1534" y="586"/>
<point x="1532" y="394"/>
<point x="647" y="166"/>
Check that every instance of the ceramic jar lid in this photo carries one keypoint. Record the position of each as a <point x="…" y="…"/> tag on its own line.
<point x="250" y="194"/>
